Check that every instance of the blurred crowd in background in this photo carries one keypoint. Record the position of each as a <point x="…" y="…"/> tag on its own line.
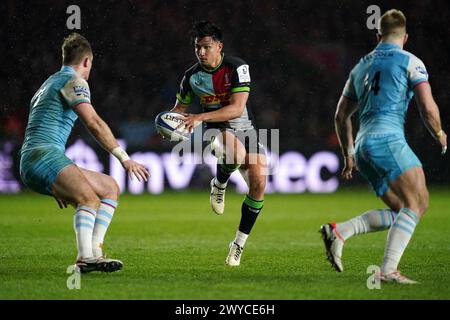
<point x="299" y="52"/>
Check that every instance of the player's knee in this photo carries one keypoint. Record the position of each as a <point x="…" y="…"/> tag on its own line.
<point x="239" y="157"/>
<point x="239" y="152"/>
<point x="90" y="199"/>
<point x="116" y="189"/>
<point x="113" y="189"/>
<point x="108" y="188"/>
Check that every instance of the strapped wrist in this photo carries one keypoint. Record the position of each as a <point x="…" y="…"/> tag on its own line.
<point x="120" y="154"/>
<point x="349" y="152"/>
<point x="439" y="134"/>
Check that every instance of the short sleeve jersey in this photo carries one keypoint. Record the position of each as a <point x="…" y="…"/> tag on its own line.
<point x="51" y="116"/>
<point x="383" y="84"/>
<point x="215" y="87"/>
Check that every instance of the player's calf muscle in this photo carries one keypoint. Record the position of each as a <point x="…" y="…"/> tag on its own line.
<point x="257" y="190"/>
<point x="423" y="201"/>
<point x="419" y="195"/>
<point x="257" y="186"/>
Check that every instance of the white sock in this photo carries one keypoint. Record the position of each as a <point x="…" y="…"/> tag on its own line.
<point x="104" y="215"/>
<point x="398" y="238"/>
<point x="241" y="238"/>
<point x="220" y="185"/>
<point x="83" y="223"/>
<point x="373" y="220"/>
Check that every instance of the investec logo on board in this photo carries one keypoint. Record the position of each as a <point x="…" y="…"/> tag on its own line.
<point x="296" y="173"/>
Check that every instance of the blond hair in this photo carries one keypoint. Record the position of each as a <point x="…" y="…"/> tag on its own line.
<point x="392" y="23"/>
<point x="74" y="48"/>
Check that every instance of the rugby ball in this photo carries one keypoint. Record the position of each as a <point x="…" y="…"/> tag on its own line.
<point x="166" y="124"/>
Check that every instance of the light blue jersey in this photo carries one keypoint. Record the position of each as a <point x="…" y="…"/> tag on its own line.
<point x="51" y="117"/>
<point x="383" y="82"/>
<point x="50" y="122"/>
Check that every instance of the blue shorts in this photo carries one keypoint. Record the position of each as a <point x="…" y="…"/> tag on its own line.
<point x="40" y="166"/>
<point x="381" y="158"/>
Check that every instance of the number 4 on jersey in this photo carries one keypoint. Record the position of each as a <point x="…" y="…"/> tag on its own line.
<point x="375" y="84"/>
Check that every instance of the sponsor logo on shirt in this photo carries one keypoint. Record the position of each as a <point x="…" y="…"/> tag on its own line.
<point x="421" y="70"/>
<point x="243" y="73"/>
<point x="383" y="54"/>
<point x="81" y="91"/>
<point x="217" y="98"/>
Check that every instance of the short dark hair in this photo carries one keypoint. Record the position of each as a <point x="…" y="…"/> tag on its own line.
<point x="74" y="48"/>
<point x="203" y="29"/>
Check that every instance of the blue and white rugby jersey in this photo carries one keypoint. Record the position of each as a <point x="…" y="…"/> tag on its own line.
<point x="382" y="83"/>
<point x="51" y="116"/>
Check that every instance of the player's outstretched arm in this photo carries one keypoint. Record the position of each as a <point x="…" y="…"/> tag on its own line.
<point x="234" y="110"/>
<point x="344" y="132"/>
<point x="102" y="133"/>
<point x="429" y="112"/>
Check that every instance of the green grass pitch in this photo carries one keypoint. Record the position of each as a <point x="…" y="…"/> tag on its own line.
<point x="174" y="247"/>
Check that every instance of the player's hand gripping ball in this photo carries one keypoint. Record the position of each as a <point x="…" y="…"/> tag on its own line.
<point x="167" y="123"/>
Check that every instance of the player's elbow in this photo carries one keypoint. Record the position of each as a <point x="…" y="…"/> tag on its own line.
<point x="339" y="118"/>
<point x="236" y="112"/>
<point x="424" y="98"/>
<point x="345" y="110"/>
